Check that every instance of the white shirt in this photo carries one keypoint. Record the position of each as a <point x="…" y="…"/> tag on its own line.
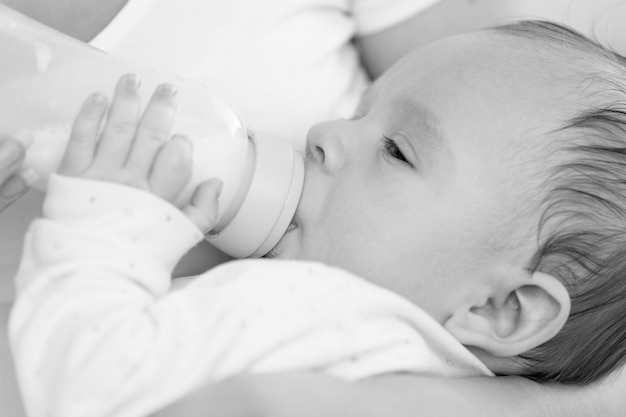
<point x="284" y="64"/>
<point x="97" y="330"/>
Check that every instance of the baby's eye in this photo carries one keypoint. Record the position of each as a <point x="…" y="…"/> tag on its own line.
<point x="391" y="147"/>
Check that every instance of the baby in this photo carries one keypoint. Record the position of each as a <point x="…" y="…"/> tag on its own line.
<point x="479" y="180"/>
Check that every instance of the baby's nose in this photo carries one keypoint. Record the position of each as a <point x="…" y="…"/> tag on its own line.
<point x="324" y="146"/>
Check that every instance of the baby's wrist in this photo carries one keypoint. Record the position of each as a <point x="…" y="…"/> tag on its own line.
<point x="135" y="219"/>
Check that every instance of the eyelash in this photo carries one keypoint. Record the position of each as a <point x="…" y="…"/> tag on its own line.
<point x="390" y="146"/>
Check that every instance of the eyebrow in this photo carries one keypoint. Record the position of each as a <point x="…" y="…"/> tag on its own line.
<point x="424" y="127"/>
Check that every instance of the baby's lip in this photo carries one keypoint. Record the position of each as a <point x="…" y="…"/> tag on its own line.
<point x="292" y="226"/>
<point x="277" y="249"/>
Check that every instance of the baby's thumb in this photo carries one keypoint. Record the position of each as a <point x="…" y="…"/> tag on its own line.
<point x="202" y="209"/>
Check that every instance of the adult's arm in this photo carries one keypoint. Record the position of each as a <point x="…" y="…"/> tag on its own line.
<point x="308" y="395"/>
<point x="603" y="19"/>
<point x="81" y="19"/>
<point x="382" y="49"/>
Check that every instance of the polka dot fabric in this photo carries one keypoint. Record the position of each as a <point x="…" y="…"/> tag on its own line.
<point x="97" y="330"/>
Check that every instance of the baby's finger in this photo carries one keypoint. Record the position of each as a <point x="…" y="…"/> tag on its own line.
<point x="15" y="186"/>
<point x="119" y="131"/>
<point x="154" y="129"/>
<point x="171" y="169"/>
<point x="11" y="157"/>
<point x="202" y="209"/>
<point x="83" y="140"/>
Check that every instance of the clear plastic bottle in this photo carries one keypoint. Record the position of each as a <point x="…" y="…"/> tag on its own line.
<point x="45" y="77"/>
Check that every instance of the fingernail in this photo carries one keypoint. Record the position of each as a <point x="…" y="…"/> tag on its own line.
<point x="29" y="176"/>
<point x="132" y="82"/>
<point x="98" y="99"/>
<point x="167" y="90"/>
<point x="218" y="186"/>
<point x="185" y="139"/>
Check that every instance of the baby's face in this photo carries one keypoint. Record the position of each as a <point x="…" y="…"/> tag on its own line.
<point x="421" y="191"/>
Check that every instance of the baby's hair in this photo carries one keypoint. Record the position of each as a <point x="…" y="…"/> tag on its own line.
<point x="582" y="231"/>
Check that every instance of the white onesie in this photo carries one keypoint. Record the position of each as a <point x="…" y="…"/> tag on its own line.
<point x="98" y="331"/>
<point x="284" y="64"/>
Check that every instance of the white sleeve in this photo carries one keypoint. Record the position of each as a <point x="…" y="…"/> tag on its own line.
<point x="87" y="308"/>
<point x="374" y="16"/>
<point x="96" y="331"/>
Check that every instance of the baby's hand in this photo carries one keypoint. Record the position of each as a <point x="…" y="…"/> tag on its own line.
<point x="133" y="149"/>
<point x="14" y="180"/>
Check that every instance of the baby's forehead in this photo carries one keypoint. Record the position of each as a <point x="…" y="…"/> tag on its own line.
<point x="496" y="65"/>
<point x="528" y="57"/>
<point x="477" y="63"/>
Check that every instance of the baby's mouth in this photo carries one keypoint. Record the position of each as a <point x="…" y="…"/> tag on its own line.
<point x="277" y="249"/>
<point x="291" y="226"/>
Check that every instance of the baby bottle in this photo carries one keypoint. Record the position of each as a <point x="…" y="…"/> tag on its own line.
<point x="44" y="78"/>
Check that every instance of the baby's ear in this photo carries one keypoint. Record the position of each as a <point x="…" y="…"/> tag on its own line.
<point x="514" y="320"/>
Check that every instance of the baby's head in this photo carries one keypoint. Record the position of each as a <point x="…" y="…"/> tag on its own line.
<point x="484" y="178"/>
